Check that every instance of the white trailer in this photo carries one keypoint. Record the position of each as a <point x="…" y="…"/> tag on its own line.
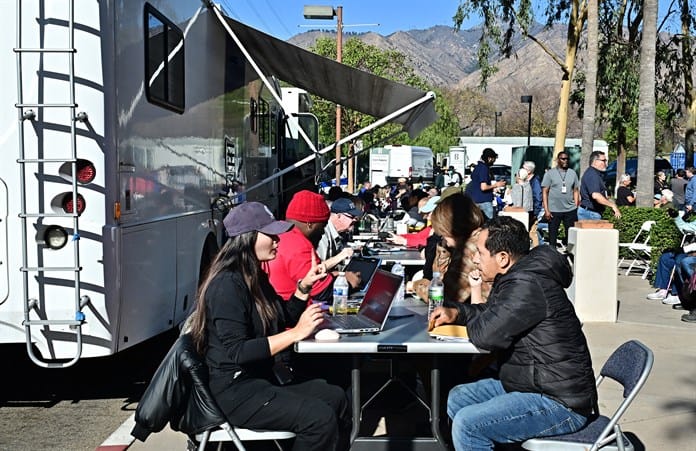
<point x="127" y="131"/>
<point x="503" y="145"/>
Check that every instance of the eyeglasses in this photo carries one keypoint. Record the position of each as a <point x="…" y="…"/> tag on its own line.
<point x="602" y="160"/>
<point x="351" y="217"/>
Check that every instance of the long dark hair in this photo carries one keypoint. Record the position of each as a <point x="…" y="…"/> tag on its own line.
<point x="457" y="216"/>
<point x="236" y="255"/>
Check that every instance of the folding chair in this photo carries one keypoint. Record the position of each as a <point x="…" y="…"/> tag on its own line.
<point x="630" y="366"/>
<point x="640" y="249"/>
<point x="178" y="393"/>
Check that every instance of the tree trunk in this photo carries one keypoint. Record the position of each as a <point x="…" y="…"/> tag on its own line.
<point x="590" y="107"/>
<point x="689" y="93"/>
<point x="646" y="108"/>
<point x="576" y="22"/>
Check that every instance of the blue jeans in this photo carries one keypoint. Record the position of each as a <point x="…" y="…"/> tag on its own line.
<point x="483" y="412"/>
<point x="584" y="213"/>
<point x="486" y="209"/>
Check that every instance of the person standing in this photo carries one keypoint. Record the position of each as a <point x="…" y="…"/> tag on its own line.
<point x="561" y="197"/>
<point x="246" y="331"/>
<point x="481" y="186"/>
<point x="678" y="187"/>
<point x="625" y="197"/>
<point x="538" y="210"/>
<point x="593" y="191"/>
<point x="546" y="384"/>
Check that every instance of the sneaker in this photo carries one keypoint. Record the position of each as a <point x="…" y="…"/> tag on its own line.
<point x="689" y="317"/>
<point x="671" y="300"/>
<point x="659" y="294"/>
<point x="678" y="307"/>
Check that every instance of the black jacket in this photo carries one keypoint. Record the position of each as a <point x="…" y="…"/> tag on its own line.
<point x="529" y="317"/>
<point x="178" y="394"/>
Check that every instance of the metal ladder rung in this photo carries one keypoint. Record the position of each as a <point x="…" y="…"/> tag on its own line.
<point x="48" y="215"/>
<point x="40" y="50"/>
<point x="46" y="105"/>
<point x="52" y="322"/>
<point x="47" y="160"/>
<point x="49" y="268"/>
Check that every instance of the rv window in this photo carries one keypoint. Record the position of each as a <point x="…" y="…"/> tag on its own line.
<point x="164" y="61"/>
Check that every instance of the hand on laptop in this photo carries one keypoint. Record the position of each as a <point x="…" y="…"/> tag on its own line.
<point x="396" y="239"/>
<point x="443" y="315"/>
<point x="310" y="319"/>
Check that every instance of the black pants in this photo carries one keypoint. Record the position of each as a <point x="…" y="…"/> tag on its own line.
<point x="568" y="218"/>
<point x="317" y="412"/>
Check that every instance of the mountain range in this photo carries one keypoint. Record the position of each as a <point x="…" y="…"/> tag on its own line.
<point x="446" y="58"/>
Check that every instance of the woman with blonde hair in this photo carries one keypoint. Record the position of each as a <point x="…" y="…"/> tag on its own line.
<point x="246" y="330"/>
<point x="456" y="218"/>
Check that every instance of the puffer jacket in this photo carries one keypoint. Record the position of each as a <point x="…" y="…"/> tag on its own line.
<point x="529" y="317"/>
<point x="178" y="394"/>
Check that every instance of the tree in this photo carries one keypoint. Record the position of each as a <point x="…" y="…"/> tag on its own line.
<point x="588" y="119"/>
<point x="503" y="19"/>
<point x="646" y="109"/>
<point x="392" y="65"/>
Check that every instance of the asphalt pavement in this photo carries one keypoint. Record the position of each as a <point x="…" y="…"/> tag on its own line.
<point x="663" y="416"/>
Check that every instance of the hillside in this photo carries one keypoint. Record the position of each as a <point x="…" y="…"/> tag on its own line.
<point x="447" y="58"/>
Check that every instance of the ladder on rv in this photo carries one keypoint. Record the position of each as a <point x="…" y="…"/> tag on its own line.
<point x="31" y="112"/>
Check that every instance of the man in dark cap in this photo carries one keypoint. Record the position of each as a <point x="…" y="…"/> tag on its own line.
<point x="481" y="186"/>
<point x="343" y="217"/>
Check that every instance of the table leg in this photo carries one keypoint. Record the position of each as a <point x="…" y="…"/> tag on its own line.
<point x="355" y="401"/>
<point x="435" y="403"/>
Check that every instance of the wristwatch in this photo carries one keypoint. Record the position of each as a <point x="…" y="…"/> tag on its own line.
<point x="303" y="289"/>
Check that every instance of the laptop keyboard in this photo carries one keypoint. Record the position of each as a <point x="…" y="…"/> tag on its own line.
<point x="347" y="322"/>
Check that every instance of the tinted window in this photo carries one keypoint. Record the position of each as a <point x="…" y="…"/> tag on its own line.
<point x="164" y="61"/>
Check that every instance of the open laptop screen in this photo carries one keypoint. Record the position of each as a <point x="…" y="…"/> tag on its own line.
<point x="380" y="295"/>
<point x="366" y="267"/>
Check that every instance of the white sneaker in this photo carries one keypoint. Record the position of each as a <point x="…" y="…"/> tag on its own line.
<point x="659" y="294"/>
<point x="671" y="300"/>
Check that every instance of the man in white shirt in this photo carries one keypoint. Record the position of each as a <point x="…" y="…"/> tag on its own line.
<point x="331" y="249"/>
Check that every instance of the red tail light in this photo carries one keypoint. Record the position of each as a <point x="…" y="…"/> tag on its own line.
<point x="85" y="171"/>
<point x="69" y="205"/>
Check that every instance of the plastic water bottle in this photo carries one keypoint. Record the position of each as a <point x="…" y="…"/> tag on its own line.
<point x="436" y="293"/>
<point x="398" y="269"/>
<point x="340" y="295"/>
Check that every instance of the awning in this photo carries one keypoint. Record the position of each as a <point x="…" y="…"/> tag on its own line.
<point x="344" y="85"/>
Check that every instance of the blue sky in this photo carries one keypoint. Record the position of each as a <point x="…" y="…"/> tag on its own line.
<point x="283" y="18"/>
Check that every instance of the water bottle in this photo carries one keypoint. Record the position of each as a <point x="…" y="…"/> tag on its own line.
<point x="398" y="269"/>
<point x="436" y="293"/>
<point x="340" y="295"/>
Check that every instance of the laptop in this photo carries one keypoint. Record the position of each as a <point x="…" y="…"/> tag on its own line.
<point x="374" y="309"/>
<point x="366" y="267"/>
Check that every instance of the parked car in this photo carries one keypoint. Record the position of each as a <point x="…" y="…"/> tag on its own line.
<point x="661" y="164"/>
<point x="502" y="172"/>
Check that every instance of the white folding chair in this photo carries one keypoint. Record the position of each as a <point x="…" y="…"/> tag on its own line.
<point x="640" y="250"/>
<point x="630" y="366"/>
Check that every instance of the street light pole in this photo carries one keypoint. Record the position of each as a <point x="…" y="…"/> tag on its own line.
<point x="497" y="115"/>
<point x="339" y="58"/>
<point x="528" y="99"/>
<point x="328" y="12"/>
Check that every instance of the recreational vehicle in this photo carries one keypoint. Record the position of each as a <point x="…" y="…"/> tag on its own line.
<point x="128" y="130"/>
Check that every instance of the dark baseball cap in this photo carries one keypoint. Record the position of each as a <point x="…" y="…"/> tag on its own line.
<point x="344" y="205"/>
<point x="253" y="216"/>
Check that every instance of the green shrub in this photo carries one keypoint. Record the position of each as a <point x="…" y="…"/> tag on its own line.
<point x="663" y="235"/>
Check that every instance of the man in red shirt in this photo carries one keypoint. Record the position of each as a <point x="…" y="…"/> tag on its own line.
<point x="297" y="248"/>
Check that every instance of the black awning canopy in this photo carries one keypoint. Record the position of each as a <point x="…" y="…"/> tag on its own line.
<point x="328" y="79"/>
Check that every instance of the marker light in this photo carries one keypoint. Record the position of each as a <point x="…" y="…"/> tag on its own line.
<point x="68" y="203"/>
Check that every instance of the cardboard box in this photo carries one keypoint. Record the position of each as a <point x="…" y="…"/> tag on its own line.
<point x="594" y="224"/>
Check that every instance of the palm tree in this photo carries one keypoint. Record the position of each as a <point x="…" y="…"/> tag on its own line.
<point x="646" y="105"/>
<point x="588" y="118"/>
